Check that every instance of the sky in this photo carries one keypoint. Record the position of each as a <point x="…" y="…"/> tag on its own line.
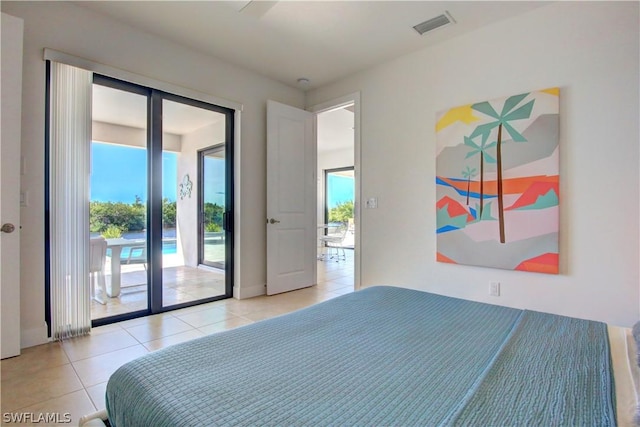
<point x="119" y="173"/>
<point x="341" y="189"/>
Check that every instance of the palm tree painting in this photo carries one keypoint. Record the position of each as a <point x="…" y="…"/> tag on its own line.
<point x="481" y="149"/>
<point x="515" y="139"/>
<point x="468" y="173"/>
<point x="503" y="120"/>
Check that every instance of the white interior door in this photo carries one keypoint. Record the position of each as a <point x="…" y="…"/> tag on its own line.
<point x="11" y="88"/>
<point x="291" y="198"/>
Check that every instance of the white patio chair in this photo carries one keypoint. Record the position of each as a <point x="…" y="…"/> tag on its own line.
<point x="331" y="243"/>
<point x="137" y="255"/>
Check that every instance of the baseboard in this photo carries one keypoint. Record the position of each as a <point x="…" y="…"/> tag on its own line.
<point x="34" y="336"/>
<point x="245" y="292"/>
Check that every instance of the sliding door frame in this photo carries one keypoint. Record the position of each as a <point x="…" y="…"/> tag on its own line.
<point x="227" y="215"/>
<point x="228" y="222"/>
<point x="154" y="202"/>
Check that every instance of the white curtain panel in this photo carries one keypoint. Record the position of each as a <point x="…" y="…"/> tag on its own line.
<point x="69" y="153"/>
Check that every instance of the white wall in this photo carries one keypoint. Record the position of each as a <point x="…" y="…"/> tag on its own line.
<point x="80" y="32"/>
<point x="590" y="50"/>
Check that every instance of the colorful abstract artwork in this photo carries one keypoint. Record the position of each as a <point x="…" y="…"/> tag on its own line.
<point x="497" y="183"/>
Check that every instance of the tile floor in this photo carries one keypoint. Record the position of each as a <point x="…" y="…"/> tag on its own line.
<point x="180" y="284"/>
<point x="71" y="377"/>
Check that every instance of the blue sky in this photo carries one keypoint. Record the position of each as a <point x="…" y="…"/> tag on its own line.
<point x="119" y="174"/>
<point x="341" y="189"/>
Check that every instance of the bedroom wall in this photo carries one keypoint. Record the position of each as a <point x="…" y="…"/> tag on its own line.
<point x="75" y="30"/>
<point x="588" y="49"/>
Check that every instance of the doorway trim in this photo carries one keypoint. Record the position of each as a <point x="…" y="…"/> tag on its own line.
<point x="353" y="98"/>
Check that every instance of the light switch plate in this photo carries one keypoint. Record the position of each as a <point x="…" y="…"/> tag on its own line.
<point x="372" y="203"/>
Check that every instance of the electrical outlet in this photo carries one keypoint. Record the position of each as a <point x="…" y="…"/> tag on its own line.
<point x="494" y="289"/>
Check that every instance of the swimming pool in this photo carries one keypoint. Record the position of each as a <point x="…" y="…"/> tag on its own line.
<point x="168" y="248"/>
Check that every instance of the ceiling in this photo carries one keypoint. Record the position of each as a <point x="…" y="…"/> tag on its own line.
<point x="336" y="130"/>
<point x="323" y="41"/>
<point x="130" y="109"/>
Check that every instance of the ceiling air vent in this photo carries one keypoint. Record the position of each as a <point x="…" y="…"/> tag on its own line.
<point x="433" y="23"/>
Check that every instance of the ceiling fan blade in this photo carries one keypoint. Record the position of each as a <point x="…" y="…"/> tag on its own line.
<point x="258" y="8"/>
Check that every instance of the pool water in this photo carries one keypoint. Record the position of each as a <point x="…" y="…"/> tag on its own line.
<point x="168" y="248"/>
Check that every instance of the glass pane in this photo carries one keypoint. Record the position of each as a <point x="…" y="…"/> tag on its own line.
<point x="337" y="235"/>
<point x="340" y="196"/>
<point x="118" y="200"/>
<point x="187" y="130"/>
<point x="214" y="196"/>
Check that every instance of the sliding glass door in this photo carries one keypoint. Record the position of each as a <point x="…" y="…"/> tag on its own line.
<point x="213" y="202"/>
<point x="150" y="194"/>
<point x="188" y="128"/>
<point x="118" y="200"/>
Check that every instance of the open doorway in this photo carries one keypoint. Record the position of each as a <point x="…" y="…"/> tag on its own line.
<point x="337" y="223"/>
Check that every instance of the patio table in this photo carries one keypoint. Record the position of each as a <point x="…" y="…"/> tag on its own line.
<point x="116" y="246"/>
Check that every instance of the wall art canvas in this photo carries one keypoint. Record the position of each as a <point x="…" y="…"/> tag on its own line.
<point x="497" y="183"/>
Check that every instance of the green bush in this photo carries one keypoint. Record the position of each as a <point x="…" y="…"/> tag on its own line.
<point x="212" y="227"/>
<point x="128" y="217"/>
<point x="112" y="232"/>
<point x="169" y="210"/>
<point x="133" y="216"/>
<point x="341" y="212"/>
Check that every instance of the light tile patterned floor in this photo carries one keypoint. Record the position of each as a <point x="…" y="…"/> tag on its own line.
<point x="71" y="377"/>
<point x="179" y="284"/>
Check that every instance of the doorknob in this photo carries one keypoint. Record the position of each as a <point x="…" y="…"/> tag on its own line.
<point x="8" y="228"/>
<point x="273" y="221"/>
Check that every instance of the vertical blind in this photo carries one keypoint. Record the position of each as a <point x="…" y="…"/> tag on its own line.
<point x="69" y="156"/>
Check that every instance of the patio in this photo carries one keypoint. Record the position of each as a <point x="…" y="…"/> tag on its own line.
<point x="180" y="284"/>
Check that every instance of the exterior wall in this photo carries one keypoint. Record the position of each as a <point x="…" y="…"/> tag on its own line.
<point x="187" y="208"/>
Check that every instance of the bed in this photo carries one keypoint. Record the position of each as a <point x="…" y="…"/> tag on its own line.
<point x="386" y="356"/>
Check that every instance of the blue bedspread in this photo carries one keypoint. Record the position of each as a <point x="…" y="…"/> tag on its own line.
<point x="379" y="357"/>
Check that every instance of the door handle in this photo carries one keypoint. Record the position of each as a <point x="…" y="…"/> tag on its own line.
<point x="273" y="221"/>
<point x="10" y="228"/>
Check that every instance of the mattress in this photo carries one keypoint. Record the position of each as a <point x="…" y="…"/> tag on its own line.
<point x="380" y="356"/>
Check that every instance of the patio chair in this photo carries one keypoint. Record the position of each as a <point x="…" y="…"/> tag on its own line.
<point x="331" y="243"/>
<point x="137" y="255"/>
<point x="97" y="259"/>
